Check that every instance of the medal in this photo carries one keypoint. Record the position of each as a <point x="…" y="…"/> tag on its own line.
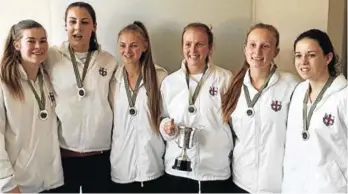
<point x="305" y="135"/>
<point x="131" y="97"/>
<point x="307" y="118"/>
<point x="43" y="115"/>
<point x="250" y="112"/>
<point x="192" y="109"/>
<point x="80" y="90"/>
<point x="133" y="111"/>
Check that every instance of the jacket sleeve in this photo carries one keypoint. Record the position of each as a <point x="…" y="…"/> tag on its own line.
<point x="7" y="178"/>
<point x="165" y="118"/>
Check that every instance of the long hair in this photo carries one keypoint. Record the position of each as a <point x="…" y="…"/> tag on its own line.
<point x="204" y="28"/>
<point x="231" y="97"/>
<point x="11" y="58"/>
<point x="93" y="42"/>
<point x="325" y="44"/>
<point x="149" y="74"/>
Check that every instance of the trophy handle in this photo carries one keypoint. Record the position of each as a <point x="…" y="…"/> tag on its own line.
<point x="193" y="133"/>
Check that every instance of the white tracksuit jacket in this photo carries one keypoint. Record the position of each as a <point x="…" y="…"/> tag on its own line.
<point x="318" y="165"/>
<point x="85" y="122"/>
<point x="29" y="147"/>
<point x="210" y="154"/>
<point x="259" y="147"/>
<point x="136" y="152"/>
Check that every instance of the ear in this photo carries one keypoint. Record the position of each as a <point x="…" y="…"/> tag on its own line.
<point x="276" y="52"/>
<point x="95" y="27"/>
<point x="16" y="45"/>
<point x="146" y="46"/>
<point x="329" y="58"/>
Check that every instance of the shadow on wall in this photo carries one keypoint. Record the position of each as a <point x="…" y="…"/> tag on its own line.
<point x="166" y="45"/>
<point x="227" y="50"/>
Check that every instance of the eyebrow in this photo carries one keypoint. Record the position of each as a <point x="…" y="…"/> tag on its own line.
<point x="81" y="18"/>
<point x="32" y="38"/>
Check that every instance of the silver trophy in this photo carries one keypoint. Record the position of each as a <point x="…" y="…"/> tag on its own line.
<point x="185" y="141"/>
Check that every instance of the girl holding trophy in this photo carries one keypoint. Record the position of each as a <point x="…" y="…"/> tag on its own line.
<point x="198" y="144"/>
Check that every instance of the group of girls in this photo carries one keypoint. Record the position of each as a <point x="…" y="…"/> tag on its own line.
<point x="72" y="117"/>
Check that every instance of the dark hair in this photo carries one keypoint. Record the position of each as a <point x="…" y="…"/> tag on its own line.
<point x="230" y="98"/>
<point x="149" y="74"/>
<point x="204" y="28"/>
<point x="93" y="42"/>
<point x="325" y="44"/>
<point x="10" y="74"/>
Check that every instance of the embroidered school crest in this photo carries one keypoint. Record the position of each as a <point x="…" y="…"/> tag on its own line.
<point x="213" y="91"/>
<point x="328" y="119"/>
<point x="276" y="105"/>
<point x="51" y="96"/>
<point x="102" y="71"/>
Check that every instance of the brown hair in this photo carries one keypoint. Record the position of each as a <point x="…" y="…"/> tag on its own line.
<point x="204" y="28"/>
<point x="149" y="74"/>
<point x="93" y="42"/>
<point x="11" y="58"/>
<point x="230" y="98"/>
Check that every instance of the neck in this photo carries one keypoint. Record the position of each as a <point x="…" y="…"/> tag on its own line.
<point x="80" y="48"/>
<point x="31" y="70"/>
<point x="195" y="69"/>
<point x="318" y="84"/>
<point x="258" y="76"/>
<point x="132" y="69"/>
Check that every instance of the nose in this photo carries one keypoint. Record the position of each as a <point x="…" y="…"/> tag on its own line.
<point x="304" y="59"/>
<point x="78" y="26"/>
<point x="258" y="50"/>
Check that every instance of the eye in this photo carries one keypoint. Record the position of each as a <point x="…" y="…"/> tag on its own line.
<point x="134" y="46"/>
<point x="31" y="41"/>
<point x="252" y="45"/>
<point x="298" y="55"/>
<point x="200" y="44"/>
<point x="187" y="44"/>
<point x="312" y="55"/>
<point x="85" y="22"/>
<point x="266" y="46"/>
<point x="72" y="22"/>
<point x="122" y="46"/>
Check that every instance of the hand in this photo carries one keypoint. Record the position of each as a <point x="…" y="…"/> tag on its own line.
<point x="170" y="127"/>
<point x="15" y="190"/>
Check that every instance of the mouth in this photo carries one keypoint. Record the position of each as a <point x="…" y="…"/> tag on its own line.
<point x="305" y="69"/>
<point x="128" y="56"/>
<point x="257" y="58"/>
<point x="77" y="36"/>
<point x="194" y="57"/>
<point x="37" y="53"/>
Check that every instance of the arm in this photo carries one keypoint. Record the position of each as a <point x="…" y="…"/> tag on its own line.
<point x="167" y="126"/>
<point x="7" y="174"/>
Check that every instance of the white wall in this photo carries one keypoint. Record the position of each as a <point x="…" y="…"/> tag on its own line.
<point x="165" y="20"/>
<point x="291" y="18"/>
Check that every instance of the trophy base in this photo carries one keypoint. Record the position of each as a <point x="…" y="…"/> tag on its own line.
<point x="182" y="165"/>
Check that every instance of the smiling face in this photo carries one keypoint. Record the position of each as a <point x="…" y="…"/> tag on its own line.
<point x="32" y="46"/>
<point x="310" y="61"/>
<point x="260" y="48"/>
<point x="196" y="48"/>
<point x="131" y="46"/>
<point x="79" y="26"/>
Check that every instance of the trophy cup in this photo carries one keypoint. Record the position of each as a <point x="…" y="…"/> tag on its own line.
<point x="184" y="141"/>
